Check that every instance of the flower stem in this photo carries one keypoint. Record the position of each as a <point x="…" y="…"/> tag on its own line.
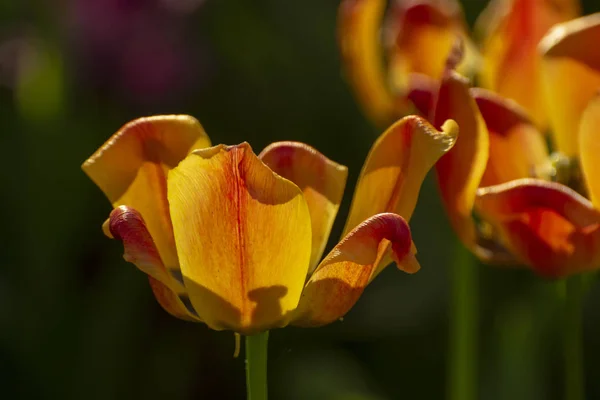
<point x="574" y="377"/>
<point x="256" y="366"/>
<point x="462" y="364"/>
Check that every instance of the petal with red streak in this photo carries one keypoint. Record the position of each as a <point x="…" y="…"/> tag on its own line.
<point x="340" y="279"/>
<point x="321" y="180"/>
<point x="243" y="236"/>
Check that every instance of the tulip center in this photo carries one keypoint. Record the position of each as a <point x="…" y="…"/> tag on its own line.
<point x="567" y="171"/>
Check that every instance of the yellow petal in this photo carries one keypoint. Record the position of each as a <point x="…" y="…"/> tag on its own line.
<point x="517" y="148"/>
<point x="571" y="76"/>
<point x="589" y="148"/>
<point x="548" y="226"/>
<point x="131" y="167"/>
<point x="395" y="168"/>
<point x="127" y="225"/>
<point x="243" y="237"/>
<point x="340" y="279"/>
<point x="511" y="62"/>
<point x="460" y="170"/>
<point x="321" y="180"/>
<point x="359" y="26"/>
<point x="423" y="34"/>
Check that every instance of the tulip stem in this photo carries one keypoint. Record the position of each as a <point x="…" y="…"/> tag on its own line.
<point x="462" y="364"/>
<point x="574" y="377"/>
<point x="256" y="366"/>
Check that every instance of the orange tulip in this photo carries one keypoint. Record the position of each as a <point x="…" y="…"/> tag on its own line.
<point x="416" y="39"/>
<point x="534" y="61"/>
<point x="510" y="31"/>
<point x="234" y="240"/>
<point x="545" y="225"/>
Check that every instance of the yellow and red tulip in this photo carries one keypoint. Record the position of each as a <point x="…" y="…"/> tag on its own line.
<point x="234" y="240"/>
<point x="532" y="54"/>
<point x="510" y="31"/>
<point x="543" y="224"/>
<point x="416" y="39"/>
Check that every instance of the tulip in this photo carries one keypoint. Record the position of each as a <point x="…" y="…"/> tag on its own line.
<point x="234" y="240"/>
<point x="510" y="31"/>
<point x="416" y="39"/>
<point x="549" y="225"/>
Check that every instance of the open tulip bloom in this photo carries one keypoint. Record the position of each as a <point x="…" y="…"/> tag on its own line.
<point x="510" y="198"/>
<point x="234" y="240"/>
<point x="500" y="168"/>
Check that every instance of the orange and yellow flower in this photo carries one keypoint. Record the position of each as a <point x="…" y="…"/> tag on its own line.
<point x="501" y="169"/>
<point x="547" y="224"/>
<point x="234" y="240"/>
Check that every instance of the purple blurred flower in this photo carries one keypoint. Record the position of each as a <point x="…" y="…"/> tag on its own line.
<point x="138" y="48"/>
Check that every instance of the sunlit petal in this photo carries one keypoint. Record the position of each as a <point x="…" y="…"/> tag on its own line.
<point x="340" y="279"/>
<point x="589" y="149"/>
<point x="459" y="171"/>
<point x="359" y="26"/>
<point x="512" y="30"/>
<point x="545" y="224"/>
<point x="131" y="167"/>
<point x="127" y="225"/>
<point x="321" y="180"/>
<point x="517" y="148"/>
<point x="243" y="237"/>
<point x="396" y="167"/>
<point x="571" y="76"/>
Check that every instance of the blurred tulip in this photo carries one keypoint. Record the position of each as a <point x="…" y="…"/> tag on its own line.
<point x="492" y="180"/>
<point x="234" y="240"/>
<point x="415" y="36"/>
<point x="510" y="31"/>
<point x="548" y="225"/>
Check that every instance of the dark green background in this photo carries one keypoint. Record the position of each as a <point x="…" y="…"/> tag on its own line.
<point x="78" y="322"/>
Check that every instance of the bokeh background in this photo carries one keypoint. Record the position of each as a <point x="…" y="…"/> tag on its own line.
<point x="78" y="322"/>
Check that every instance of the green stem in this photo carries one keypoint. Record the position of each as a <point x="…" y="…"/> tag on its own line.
<point x="574" y="377"/>
<point x="462" y="365"/>
<point x="256" y="366"/>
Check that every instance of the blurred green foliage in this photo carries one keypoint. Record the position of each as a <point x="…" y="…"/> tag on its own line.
<point x="78" y="322"/>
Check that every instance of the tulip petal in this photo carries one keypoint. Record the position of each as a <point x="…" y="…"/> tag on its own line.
<point x="571" y="74"/>
<point x="321" y="180"/>
<point x="128" y="226"/>
<point x="546" y="225"/>
<point x="460" y="170"/>
<point x="130" y="168"/>
<point x="517" y="148"/>
<point x="340" y="279"/>
<point x="589" y="148"/>
<point x="396" y="166"/>
<point x="359" y="25"/>
<point x="424" y="34"/>
<point x="243" y="236"/>
<point x="512" y="30"/>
